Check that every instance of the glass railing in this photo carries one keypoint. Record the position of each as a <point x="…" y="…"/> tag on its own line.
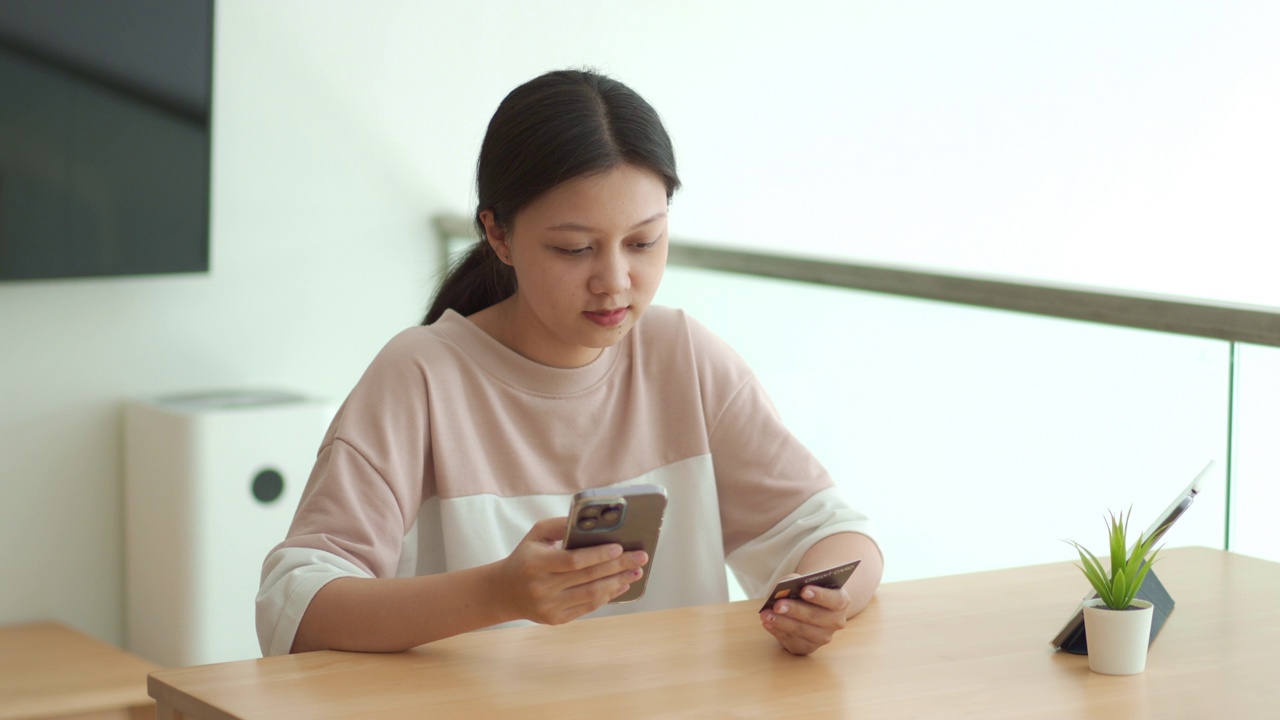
<point x="980" y="422"/>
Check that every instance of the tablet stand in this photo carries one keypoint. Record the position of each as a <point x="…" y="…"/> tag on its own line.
<point x="1152" y="591"/>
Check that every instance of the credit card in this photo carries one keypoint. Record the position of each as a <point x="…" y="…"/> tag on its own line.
<point x="833" y="578"/>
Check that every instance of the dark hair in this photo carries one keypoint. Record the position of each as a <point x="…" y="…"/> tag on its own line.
<point x="556" y="127"/>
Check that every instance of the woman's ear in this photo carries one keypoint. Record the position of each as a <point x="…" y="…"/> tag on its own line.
<point x="496" y="235"/>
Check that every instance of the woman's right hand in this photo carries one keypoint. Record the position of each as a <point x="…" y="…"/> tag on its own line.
<point x="547" y="584"/>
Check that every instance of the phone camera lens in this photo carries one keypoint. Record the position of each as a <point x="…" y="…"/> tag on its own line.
<point x="611" y="516"/>
<point x="590" y="511"/>
<point x="587" y="524"/>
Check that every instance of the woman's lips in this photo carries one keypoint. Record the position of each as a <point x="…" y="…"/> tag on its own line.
<point x="607" y="318"/>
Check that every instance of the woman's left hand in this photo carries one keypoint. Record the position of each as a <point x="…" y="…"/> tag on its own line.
<point x="802" y="625"/>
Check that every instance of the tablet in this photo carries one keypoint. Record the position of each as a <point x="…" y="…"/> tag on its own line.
<point x="1157" y="530"/>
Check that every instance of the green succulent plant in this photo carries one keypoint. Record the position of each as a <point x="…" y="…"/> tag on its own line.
<point x="1118" y="587"/>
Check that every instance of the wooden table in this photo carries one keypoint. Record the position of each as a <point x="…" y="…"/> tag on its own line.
<point x="962" y="646"/>
<point x="48" y="670"/>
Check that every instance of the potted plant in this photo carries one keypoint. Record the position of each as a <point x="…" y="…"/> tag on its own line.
<point x="1117" y="626"/>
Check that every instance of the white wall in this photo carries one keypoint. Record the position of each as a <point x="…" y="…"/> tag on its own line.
<point x="319" y="254"/>
<point x="911" y="132"/>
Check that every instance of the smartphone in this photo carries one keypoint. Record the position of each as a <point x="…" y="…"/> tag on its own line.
<point x="630" y="516"/>
<point x="833" y="578"/>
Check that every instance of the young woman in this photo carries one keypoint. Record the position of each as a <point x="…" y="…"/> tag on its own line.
<point x="437" y="501"/>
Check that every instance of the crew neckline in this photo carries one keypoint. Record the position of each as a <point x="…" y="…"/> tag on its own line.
<point x="515" y="370"/>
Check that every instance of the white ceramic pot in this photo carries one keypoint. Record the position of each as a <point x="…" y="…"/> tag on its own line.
<point x="1117" y="638"/>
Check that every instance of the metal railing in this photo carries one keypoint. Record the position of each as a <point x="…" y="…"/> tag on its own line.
<point x="1221" y="321"/>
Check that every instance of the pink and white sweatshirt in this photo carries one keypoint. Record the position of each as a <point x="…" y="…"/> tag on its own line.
<point x="452" y="446"/>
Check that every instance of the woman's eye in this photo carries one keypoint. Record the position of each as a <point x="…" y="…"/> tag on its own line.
<point x="574" y="251"/>
<point x="644" y="245"/>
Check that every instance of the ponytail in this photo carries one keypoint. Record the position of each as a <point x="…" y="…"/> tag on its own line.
<point x="474" y="282"/>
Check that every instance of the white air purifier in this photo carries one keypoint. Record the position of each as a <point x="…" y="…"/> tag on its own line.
<point x="211" y="485"/>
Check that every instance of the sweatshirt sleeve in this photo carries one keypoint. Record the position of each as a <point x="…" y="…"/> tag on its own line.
<point x="362" y="498"/>
<point x="776" y="499"/>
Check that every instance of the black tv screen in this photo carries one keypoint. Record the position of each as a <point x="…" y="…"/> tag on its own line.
<point x="104" y="137"/>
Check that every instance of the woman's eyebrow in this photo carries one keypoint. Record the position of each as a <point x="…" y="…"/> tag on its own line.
<point x="579" y="227"/>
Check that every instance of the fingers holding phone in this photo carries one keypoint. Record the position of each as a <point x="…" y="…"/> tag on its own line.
<point x="548" y="584"/>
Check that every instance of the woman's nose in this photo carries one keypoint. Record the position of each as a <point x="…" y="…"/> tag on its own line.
<point x="611" y="275"/>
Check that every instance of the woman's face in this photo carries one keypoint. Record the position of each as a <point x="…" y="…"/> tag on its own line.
<point x="588" y="257"/>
